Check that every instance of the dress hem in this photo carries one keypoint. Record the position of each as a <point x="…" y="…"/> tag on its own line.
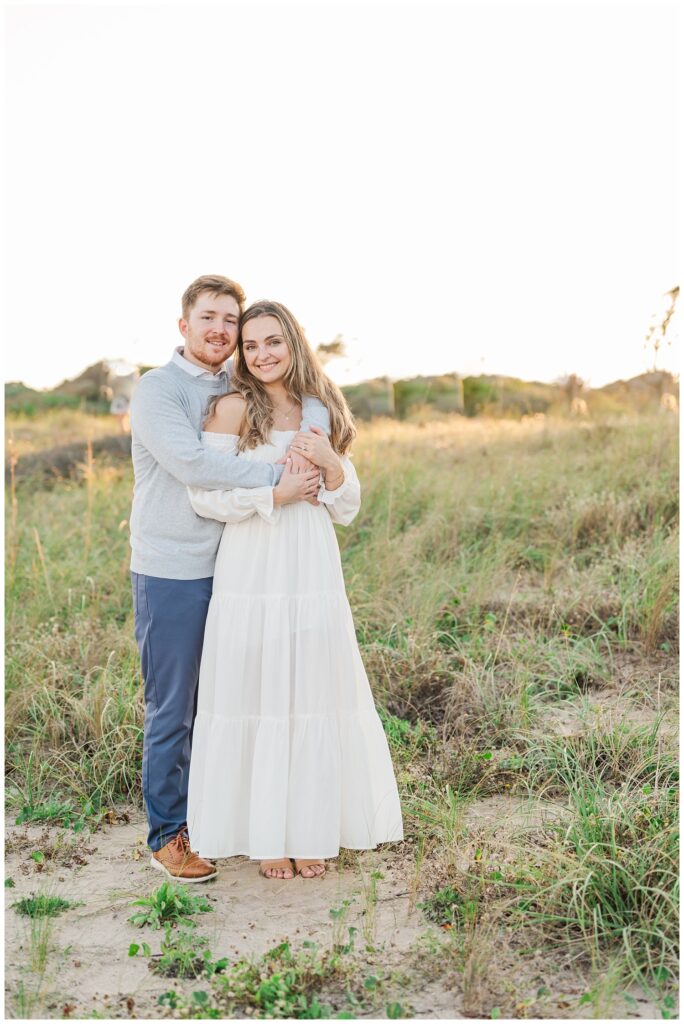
<point x="295" y="856"/>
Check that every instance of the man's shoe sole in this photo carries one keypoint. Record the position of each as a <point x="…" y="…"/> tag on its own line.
<point x="179" y="878"/>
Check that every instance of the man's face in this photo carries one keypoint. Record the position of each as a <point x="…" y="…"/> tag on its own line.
<point x="211" y="330"/>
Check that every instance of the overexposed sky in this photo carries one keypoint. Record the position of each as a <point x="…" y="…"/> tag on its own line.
<point x="451" y="187"/>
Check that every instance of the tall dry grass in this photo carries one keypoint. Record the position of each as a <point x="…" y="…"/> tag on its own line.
<point x="498" y="572"/>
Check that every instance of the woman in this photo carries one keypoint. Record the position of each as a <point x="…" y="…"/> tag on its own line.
<point x="289" y="758"/>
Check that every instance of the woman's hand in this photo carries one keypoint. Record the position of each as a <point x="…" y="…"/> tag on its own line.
<point x="296" y="486"/>
<point x="314" y="443"/>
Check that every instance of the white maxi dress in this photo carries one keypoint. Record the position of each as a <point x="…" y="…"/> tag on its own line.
<point x="289" y="757"/>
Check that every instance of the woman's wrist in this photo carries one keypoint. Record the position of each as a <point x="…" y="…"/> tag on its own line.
<point x="333" y="475"/>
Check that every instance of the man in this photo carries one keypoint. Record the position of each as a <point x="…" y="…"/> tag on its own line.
<point x="174" y="550"/>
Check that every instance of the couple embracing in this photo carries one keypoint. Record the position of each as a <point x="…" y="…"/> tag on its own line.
<point x="261" y="736"/>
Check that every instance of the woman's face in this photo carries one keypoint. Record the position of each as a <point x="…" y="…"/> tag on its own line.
<point x="265" y="350"/>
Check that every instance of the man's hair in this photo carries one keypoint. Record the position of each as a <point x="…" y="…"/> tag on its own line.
<point x="215" y="284"/>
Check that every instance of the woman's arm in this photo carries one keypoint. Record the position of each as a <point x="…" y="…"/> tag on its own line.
<point x="235" y="505"/>
<point x="240" y="503"/>
<point x="344" y="502"/>
<point x="341" y="490"/>
<point x="230" y="506"/>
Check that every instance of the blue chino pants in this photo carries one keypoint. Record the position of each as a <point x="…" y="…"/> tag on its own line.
<point x="169" y="629"/>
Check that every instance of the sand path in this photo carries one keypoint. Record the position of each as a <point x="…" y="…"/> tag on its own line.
<point x="88" y="971"/>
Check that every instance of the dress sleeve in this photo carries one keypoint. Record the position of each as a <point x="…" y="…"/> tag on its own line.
<point x="231" y="506"/>
<point x="345" y="501"/>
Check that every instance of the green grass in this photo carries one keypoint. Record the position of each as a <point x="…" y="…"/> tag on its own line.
<point x="499" y="573"/>
<point x="42" y="906"/>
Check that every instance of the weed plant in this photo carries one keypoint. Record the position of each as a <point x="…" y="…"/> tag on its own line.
<point x="184" y="954"/>
<point x="42" y="906"/>
<point x="169" y="904"/>
<point x="284" y="984"/>
<point x="280" y="985"/>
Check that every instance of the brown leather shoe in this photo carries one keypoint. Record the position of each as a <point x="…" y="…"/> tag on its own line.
<point x="177" y="860"/>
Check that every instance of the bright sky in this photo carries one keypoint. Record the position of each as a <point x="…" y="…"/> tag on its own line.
<point x="451" y="187"/>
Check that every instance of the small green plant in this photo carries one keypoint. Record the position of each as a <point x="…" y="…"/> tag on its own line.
<point x="39" y="942"/>
<point x="26" y="1001"/>
<point x="198" y="1006"/>
<point x="405" y="737"/>
<point x="9" y="883"/>
<point x="370" y="892"/>
<point x="184" y="954"/>
<point x="446" y="906"/>
<point x="395" y="1011"/>
<point x="64" y="814"/>
<point x="42" y="906"/>
<point x="170" y="904"/>
<point x="339" y="919"/>
<point x="51" y="811"/>
<point x="135" y="948"/>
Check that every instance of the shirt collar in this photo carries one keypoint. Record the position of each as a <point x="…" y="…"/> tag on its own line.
<point x="195" y="371"/>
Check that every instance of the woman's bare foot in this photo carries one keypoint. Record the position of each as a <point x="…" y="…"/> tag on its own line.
<point x="310" y="868"/>
<point x="276" y="868"/>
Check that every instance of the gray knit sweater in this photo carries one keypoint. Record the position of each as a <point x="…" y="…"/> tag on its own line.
<point x="167" y="409"/>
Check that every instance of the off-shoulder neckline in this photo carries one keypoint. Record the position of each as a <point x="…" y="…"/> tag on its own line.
<point x="214" y="433"/>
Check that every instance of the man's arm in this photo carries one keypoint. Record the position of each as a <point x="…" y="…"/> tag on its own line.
<point x="314" y="414"/>
<point x="161" y="424"/>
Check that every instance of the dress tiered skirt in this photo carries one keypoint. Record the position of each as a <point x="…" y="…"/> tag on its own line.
<point x="289" y="757"/>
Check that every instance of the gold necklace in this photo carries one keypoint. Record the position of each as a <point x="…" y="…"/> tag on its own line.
<point x="286" y="415"/>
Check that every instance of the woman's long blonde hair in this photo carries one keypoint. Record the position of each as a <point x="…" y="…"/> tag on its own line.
<point x="304" y="376"/>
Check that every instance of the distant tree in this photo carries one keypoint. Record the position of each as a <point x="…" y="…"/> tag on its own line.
<point x="656" y="337"/>
<point x="332" y="350"/>
<point x="573" y="386"/>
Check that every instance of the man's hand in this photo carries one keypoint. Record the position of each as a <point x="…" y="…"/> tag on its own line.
<point x="296" y="486"/>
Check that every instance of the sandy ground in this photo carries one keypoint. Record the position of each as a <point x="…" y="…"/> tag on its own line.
<point x="89" y="968"/>
<point x="89" y="971"/>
